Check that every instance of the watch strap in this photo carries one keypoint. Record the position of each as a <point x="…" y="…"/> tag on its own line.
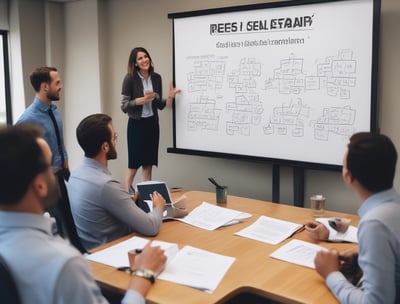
<point x="145" y="273"/>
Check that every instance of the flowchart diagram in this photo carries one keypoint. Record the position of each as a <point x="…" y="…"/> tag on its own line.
<point x="336" y="75"/>
<point x="236" y="100"/>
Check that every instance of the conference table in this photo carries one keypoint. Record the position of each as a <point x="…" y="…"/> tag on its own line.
<point x="253" y="272"/>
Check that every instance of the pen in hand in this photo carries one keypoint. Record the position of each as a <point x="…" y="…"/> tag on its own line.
<point x="297" y="231"/>
<point x="131" y="255"/>
<point x="339" y="224"/>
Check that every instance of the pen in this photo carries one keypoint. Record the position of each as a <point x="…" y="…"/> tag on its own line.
<point x="214" y="182"/>
<point x="303" y="227"/>
<point x="298" y="230"/>
<point x="338" y="224"/>
<point x="127" y="268"/>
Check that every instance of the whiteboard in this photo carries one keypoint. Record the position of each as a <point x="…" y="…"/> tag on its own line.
<point x="288" y="81"/>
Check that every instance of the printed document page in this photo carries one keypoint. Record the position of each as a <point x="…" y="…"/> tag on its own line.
<point x="117" y="255"/>
<point x="269" y="230"/>
<point x="197" y="268"/>
<point x="210" y="217"/>
<point x="298" y="252"/>
<point x="189" y="266"/>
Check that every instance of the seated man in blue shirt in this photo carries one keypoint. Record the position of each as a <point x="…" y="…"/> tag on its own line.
<point x="102" y="209"/>
<point x="44" y="266"/>
<point x="368" y="168"/>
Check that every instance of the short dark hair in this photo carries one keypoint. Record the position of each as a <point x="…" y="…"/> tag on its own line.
<point x="371" y="159"/>
<point x="40" y="75"/>
<point x="92" y="132"/>
<point x="21" y="160"/>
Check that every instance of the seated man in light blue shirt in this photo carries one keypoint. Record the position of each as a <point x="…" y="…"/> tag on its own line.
<point x="44" y="266"/>
<point x="368" y="168"/>
<point x="102" y="209"/>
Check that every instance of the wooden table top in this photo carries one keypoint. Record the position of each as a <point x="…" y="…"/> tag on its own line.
<point x="253" y="270"/>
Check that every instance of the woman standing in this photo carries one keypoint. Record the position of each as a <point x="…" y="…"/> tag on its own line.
<point x="141" y="100"/>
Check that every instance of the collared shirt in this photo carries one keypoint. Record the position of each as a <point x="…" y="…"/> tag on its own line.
<point x="379" y="253"/>
<point x="147" y="87"/>
<point x="45" y="267"/>
<point x="37" y="113"/>
<point x="103" y="211"/>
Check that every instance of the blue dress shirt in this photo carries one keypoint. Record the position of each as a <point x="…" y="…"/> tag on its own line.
<point x="37" y="113"/>
<point x="379" y="253"/>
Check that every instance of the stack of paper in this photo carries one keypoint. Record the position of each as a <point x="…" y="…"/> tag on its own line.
<point x="189" y="266"/>
<point x="269" y="230"/>
<point x="210" y="217"/>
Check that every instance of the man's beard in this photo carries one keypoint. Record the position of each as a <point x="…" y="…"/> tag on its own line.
<point x="54" y="193"/>
<point x="53" y="95"/>
<point x="112" y="152"/>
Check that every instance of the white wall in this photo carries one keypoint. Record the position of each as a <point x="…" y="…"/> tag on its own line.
<point x="36" y="39"/>
<point x="4" y="15"/>
<point x="16" y="74"/>
<point x="82" y="70"/>
<point x="99" y="35"/>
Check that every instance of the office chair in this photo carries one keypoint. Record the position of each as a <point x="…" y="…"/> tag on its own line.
<point x="61" y="211"/>
<point x="8" y="289"/>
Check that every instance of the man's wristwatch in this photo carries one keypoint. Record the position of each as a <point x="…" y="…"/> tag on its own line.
<point x="145" y="273"/>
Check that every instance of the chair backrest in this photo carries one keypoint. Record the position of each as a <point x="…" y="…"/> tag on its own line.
<point x="61" y="211"/>
<point x="8" y="288"/>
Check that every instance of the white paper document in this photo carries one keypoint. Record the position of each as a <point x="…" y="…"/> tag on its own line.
<point x="117" y="255"/>
<point x="269" y="230"/>
<point x="210" y="217"/>
<point x="189" y="266"/>
<point x="297" y="252"/>
<point x="197" y="268"/>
